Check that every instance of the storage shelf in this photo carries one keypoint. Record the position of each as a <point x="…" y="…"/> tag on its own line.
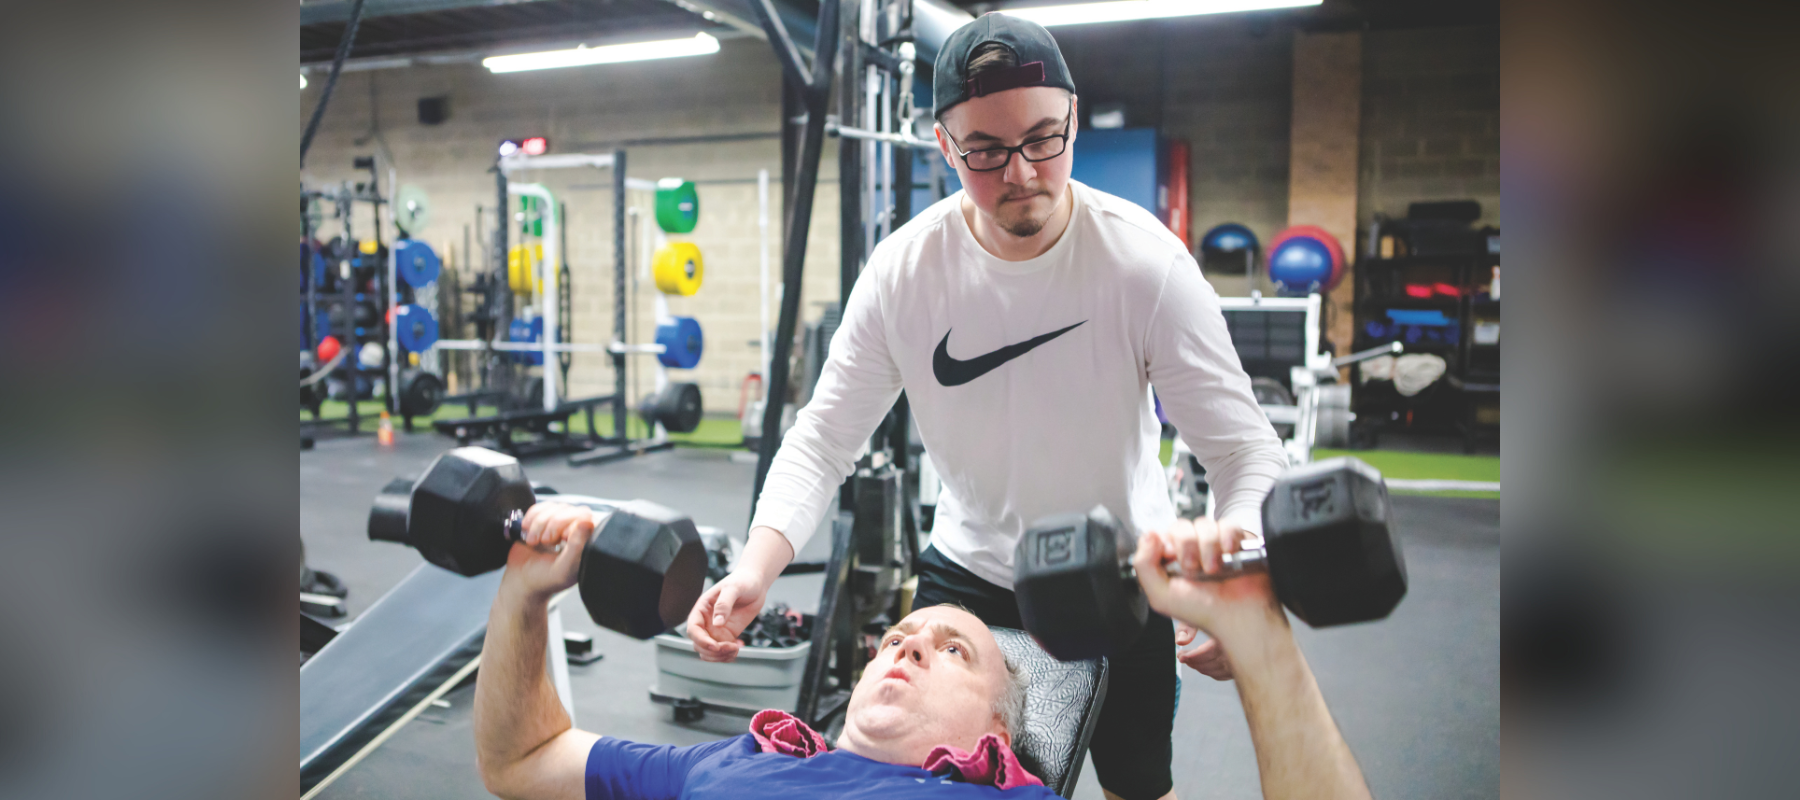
<point x="1413" y="347"/>
<point x="1445" y="303"/>
<point x="1471" y="378"/>
<point x="1401" y="262"/>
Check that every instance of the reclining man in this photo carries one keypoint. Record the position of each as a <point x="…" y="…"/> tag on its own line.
<point x="938" y="694"/>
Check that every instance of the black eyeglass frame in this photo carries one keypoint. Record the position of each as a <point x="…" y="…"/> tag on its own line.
<point x="1020" y="149"/>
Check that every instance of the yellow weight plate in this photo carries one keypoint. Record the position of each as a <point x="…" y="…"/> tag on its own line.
<point x="679" y="268"/>
<point x="520" y="274"/>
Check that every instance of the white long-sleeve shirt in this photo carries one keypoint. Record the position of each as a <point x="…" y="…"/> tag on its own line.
<point x="1030" y="382"/>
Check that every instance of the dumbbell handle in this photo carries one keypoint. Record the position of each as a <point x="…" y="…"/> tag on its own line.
<point x="1231" y="565"/>
<point x="515" y="529"/>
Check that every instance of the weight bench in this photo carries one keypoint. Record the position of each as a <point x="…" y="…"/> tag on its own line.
<point x="1062" y="707"/>
<point x="502" y="427"/>
<point x="415" y="644"/>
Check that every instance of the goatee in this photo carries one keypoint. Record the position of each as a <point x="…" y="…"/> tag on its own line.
<point x="1025" y="228"/>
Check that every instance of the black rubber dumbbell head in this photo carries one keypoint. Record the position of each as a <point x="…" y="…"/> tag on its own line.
<point x="457" y="513"/>
<point x="1332" y="556"/>
<point x="1071" y="574"/>
<point x="643" y="570"/>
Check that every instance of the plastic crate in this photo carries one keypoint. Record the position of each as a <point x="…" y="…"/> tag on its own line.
<point x="761" y="677"/>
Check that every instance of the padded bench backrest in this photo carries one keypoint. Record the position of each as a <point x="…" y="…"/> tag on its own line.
<point x="1268" y="342"/>
<point x="1061" y="709"/>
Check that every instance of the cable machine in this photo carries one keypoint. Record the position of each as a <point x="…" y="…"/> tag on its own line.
<point x="875" y="536"/>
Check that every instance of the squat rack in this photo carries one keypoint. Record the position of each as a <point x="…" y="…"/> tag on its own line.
<point x="555" y="409"/>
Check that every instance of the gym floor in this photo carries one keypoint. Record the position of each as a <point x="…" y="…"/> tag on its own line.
<point x="1417" y="695"/>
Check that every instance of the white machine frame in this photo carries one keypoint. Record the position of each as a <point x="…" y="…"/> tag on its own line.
<point x="552" y="240"/>
<point x="1316" y="370"/>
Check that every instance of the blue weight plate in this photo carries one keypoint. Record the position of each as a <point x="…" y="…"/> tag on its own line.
<point x="416" y="328"/>
<point x="416" y="262"/>
<point x="682" y="343"/>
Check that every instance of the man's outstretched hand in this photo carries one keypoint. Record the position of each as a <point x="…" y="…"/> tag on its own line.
<point x="723" y="612"/>
<point x="726" y="609"/>
<point x="1208" y="659"/>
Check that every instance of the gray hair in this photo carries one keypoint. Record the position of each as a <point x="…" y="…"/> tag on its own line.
<point x="1010" y="705"/>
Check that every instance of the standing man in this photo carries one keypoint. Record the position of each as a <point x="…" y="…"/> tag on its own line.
<point x="1027" y="318"/>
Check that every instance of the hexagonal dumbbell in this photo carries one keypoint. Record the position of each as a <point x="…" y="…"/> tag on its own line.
<point x="642" y="570"/>
<point x="1327" y="547"/>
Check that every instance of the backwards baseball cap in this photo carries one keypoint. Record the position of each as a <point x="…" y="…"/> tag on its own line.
<point x="1040" y="62"/>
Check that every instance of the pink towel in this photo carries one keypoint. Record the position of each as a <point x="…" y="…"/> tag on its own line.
<point x="991" y="764"/>
<point x="777" y="731"/>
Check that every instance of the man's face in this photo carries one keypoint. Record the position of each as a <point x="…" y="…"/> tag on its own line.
<point x="1020" y="197"/>
<point x="935" y="678"/>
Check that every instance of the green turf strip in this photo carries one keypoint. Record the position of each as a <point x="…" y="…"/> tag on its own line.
<point x="726" y="433"/>
<point x="1413" y="466"/>
<point x="1424" y="466"/>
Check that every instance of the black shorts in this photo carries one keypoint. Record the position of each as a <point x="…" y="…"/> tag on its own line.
<point x="1132" y="744"/>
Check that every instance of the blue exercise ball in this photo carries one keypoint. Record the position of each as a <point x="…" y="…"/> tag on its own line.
<point x="1228" y="237"/>
<point x="1226" y="247"/>
<point x="1300" y="265"/>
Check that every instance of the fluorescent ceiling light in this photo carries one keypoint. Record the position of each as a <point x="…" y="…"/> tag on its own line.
<point x="302" y="80"/>
<point x="1121" y="10"/>
<point x="701" y="44"/>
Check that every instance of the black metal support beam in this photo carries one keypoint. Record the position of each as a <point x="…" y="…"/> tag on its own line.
<point x="497" y="293"/>
<point x="825" y="623"/>
<point x="793" y="129"/>
<point x="337" y="68"/>
<point x="852" y="242"/>
<point x="812" y="143"/>
<point x="852" y="173"/>
<point x="619" y="270"/>
<point x="792" y="65"/>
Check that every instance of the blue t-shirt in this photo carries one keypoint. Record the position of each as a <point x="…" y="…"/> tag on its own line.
<point x="734" y="769"/>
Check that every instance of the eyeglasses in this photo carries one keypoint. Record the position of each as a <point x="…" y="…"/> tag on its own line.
<point x="993" y="158"/>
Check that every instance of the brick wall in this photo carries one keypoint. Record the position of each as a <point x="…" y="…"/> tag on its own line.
<point x="1430" y="112"/>
<point x="1220" y="83"/>
<point x="1322" y="180"/>
<point x="584" y="110"/>
<point x="1431" y="119"/>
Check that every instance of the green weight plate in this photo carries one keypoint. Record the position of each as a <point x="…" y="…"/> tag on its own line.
<point x="677" y="205"/>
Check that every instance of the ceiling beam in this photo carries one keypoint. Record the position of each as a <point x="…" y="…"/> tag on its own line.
<point x="339" y="10"/>
<point x="798" y="15"/>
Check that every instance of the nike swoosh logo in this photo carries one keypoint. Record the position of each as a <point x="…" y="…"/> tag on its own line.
<point x="956" y="372"/>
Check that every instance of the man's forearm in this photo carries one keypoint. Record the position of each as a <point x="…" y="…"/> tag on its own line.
<point x="1242" y="479"/>
<point x="766" y="554"/>
<point x="1299" y="751"/>
<point x="516" y="707"/>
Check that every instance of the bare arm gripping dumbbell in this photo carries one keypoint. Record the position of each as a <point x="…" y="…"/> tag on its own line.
<point x="1193" y="541"/>
<point x="524" y="741"/>
<point x="1299" y="751"/>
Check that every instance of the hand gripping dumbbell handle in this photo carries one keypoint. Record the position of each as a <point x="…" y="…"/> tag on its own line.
<point x="515" y="529"/>
<point x="1231" y="565"/>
